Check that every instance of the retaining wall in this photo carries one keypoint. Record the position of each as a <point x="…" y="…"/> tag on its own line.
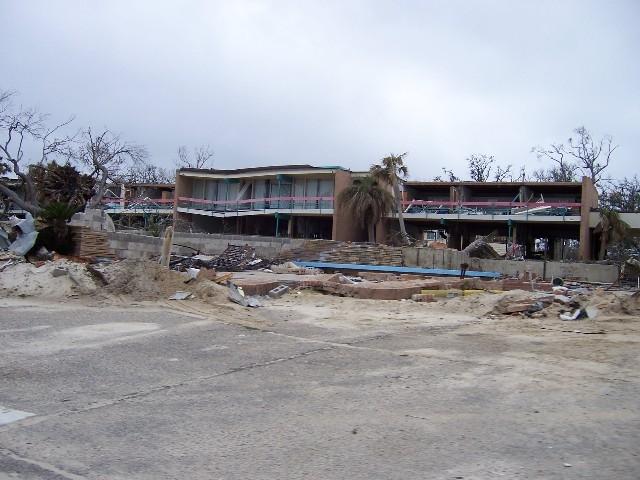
<point x="131" y="245"/>
<point x="451" y="259"/>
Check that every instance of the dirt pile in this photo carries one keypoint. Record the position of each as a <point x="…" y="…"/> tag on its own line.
<point x="135" y="279"/>
<point x="146" y="280"/>
<point x="614" y="302"/>
<point x="631" y="304"/>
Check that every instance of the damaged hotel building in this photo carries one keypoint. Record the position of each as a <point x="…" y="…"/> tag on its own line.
<point x="299" y="201"/>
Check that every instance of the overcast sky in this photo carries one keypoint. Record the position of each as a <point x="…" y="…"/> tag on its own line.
<point x="334" y="82"/>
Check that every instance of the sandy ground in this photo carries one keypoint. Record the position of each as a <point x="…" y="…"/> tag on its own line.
<point x="313" y="386"/>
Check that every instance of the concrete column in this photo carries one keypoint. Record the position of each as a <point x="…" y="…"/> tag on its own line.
<point x="557" y="248"/>
<point x="290" y="227"/>
<point x="588" y="200"/>
<point x="344" y="227"/>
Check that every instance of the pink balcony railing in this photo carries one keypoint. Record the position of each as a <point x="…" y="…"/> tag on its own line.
<point x="258" y="204"/>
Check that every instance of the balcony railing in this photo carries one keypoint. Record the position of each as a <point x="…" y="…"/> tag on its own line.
<point x="437" y="207"/>
<point x="258" y="204"/>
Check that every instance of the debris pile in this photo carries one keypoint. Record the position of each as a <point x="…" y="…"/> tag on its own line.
<point x="480" y="248"/>
<point x="134" y="279"/>
<point x="146" y="280"/>
<point x="235" y="258"/>
<point x="568" y="303"/>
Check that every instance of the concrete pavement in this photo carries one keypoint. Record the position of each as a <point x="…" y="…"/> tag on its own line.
<point x="146" y="392"/>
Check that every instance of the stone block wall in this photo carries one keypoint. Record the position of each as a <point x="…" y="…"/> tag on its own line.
<point x="131" y="245"/>
<point x="451" y="259"/>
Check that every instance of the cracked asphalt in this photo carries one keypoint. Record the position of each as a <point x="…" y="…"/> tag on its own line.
<point x="153" y="392"/>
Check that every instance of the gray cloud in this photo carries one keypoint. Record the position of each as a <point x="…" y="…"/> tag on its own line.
<point x="334" y="82"/>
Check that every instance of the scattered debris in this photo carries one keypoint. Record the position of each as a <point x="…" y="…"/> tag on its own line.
<point x="223" y="278"/>
<point x="592" y="312"/>
<point x="291" y="267"/>
<point x="26" y="236"/>
<point x="480" y="248"/>
<point x="97" y="275"/>
<point x="236" y="258"/>
<point x="579" y="314"/>
<point x="562" y="299"/>
<point x="522" y="302"/>
<point x="59" y="272"/>
<point x="279" y="291"/>
<point x="236" y="295"/>
<point x="180" y="295"/>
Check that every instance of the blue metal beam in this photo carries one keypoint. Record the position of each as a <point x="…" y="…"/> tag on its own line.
<point x="384" y="268"/>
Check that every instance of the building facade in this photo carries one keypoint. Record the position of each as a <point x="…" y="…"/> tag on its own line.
<point x="299" y="201"/>
<point x="521" y="212"/>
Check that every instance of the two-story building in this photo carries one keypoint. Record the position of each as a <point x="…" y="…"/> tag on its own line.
<point x="296" y="201"/>
<point x="299" y="201"/>
<point x="523" y="212"/>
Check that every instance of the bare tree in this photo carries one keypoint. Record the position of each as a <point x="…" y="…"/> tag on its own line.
<point x="593" y="157"/>
<point x="449" y="175"/>
<point x="622" y="195"/>
<point x="106" y="154"/>
<point x="145" y="172"/>
<point x="480" y="167"/>
<point x="582" y="153"/>
<point x="522" y="174"/>
<point x="201" y="158"/>
<point x="19" y="128"/>
<point x="502" y="173"/>
<point x="564" y="170"/>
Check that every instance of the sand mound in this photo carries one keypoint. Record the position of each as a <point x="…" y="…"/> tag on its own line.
<point x="26" y="280"/>
<point x="610" y="303"/>
<point x="137" y="279"/>
<point x="146" y="280"/>
<point x="631" y="304"/>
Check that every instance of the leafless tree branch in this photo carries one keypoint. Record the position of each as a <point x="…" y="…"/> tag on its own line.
<point x="201" y="158"/>
<point x="105" y="153"/>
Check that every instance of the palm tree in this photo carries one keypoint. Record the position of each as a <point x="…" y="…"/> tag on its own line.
<point x="612" y="229"/>
<point x="367" y="201"/>
<point x="393" y="171"/>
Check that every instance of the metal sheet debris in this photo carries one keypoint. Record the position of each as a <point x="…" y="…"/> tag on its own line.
<point x="180" y="295"/>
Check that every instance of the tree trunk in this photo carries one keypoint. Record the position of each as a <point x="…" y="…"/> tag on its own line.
<point x="398" y="198"/>
<point x="32" y="208"/>
<point x="371" y="231"/>
<point x="102" y="186"/>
